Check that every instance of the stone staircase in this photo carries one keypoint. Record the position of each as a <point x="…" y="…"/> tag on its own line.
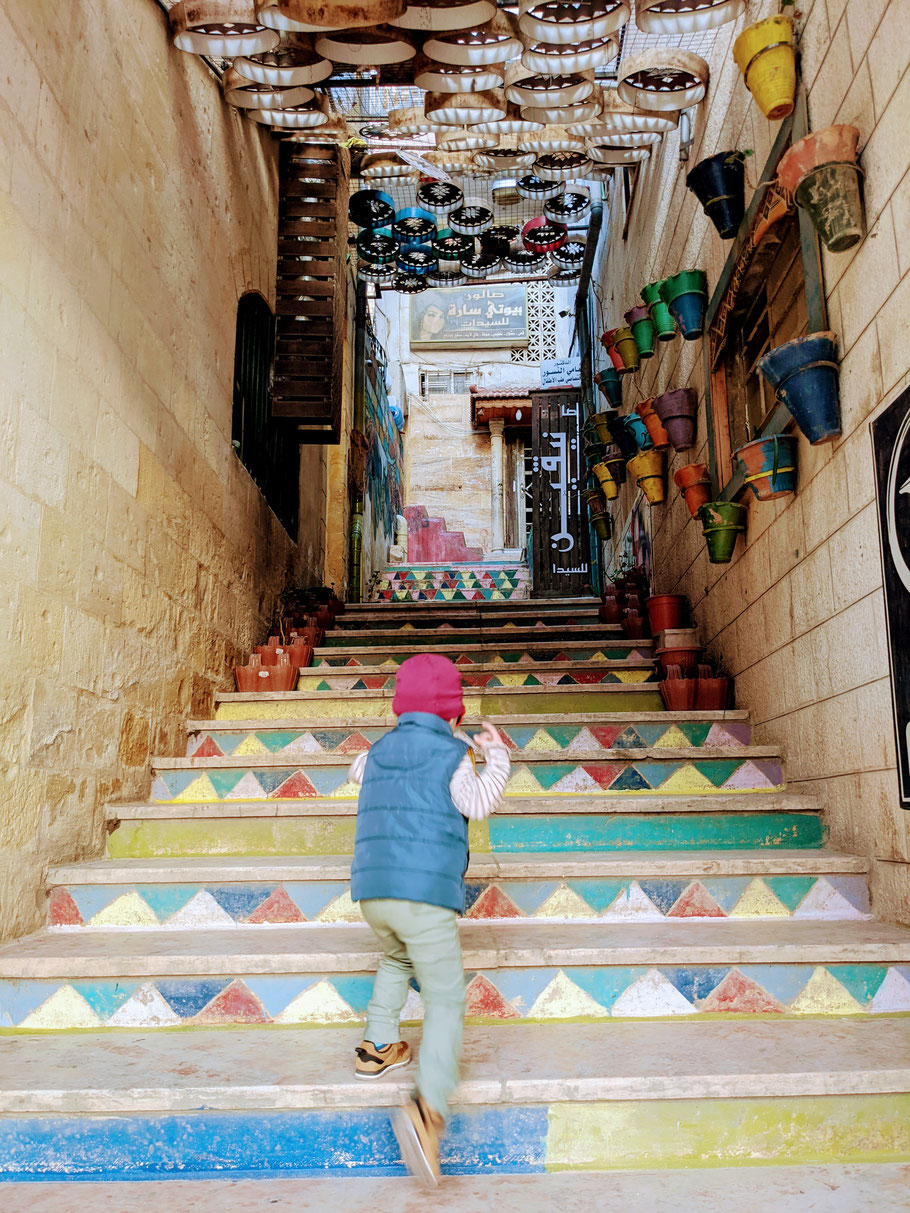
<point x="667" y="967"/>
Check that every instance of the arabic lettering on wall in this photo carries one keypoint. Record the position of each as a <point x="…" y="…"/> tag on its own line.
<point x="563" y="467"/>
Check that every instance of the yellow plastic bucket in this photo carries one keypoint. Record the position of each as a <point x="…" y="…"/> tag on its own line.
<point x="764" y="54"/>
<point x="608" y="485"/>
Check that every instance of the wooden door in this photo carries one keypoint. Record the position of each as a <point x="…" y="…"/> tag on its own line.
<point x="561" y="565"/>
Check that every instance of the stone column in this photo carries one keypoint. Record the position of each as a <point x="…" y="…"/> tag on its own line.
<point x="497" y="425"/>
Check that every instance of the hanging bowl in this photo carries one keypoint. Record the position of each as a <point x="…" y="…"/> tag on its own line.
<point x="500" y="238"/>
<point x="410" y="120"/>
<point x="378" y="247"/>
<point x="413" y="226"/>
<point x="441" y="277"/>
<point x="562" y="166"/>
<point x="663" y="78"/>
<point x="421" y="260"/>
<point x="685" y="16"/>
<point x="514" y="123"/>
<point x="371" y="208"/>
<point x="554" y="59"/>
<point x="294" y="61"/>
<point x="439" y="197"/>
<point x="498" y="159"/>
<point x="580" y="112"/>
<point x="409" y="284"/>
<point x="552" y="138"/>
<point x="441" y="17"/>
<point x="451" y="78"/>
<point x="385" y="166"/>
<point x="460" y="139"/>
<point x="523" y="261"/>
<point x="555" y="22"/>
<point x="250" y="94"/>
<point x="481" y="265"/>
<point x="615" y="153"/>
<point x="569" y="256"/>
<point x="569" y="208"/>
<point x="537" y="189"/>
<point x="302" y="117"/>
<point x="339" y="14"/>
<point x="533" y="88"/>
<point x="472" y="218"/>
<point x="379" y="275"/>
<point x="376" y="46"/>
<point x="496" y="41"/>
<point x="464" y="109"/>
<point x="623" y="116"/>
<point x="222" y="29"/>
<point x="541" y="236"/>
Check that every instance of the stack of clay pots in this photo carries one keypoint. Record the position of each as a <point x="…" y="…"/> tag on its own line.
<point x="624" y="603"/>
<point x="699" y="690"/>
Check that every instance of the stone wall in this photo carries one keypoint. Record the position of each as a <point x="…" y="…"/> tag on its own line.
<point x="798" y="615"/>
<point x="137" y="557"/>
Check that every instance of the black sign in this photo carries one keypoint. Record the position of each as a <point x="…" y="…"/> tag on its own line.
<point x="891" y="446"/>
<point x="560" y="517"/>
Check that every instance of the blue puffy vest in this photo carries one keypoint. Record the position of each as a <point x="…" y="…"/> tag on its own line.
<point x="411" y="841"/>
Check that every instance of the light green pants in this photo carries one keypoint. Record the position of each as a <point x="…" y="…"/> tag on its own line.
<point x="421" y="941"/>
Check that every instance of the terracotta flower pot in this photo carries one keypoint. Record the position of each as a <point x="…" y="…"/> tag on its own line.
<point x="635" y="625"/>
<point x="666" y="611"/>
<point x="678" y="410"/>
<point x="655" y="426"/>
<point x="610" y="612"/>
<point x="301" y="655"/>
<point x="677" y="691"/>
<point x="695" y="481"/>
<point x="686" y="658"/>
<point x="711" y="694"/>
<point x="251" y="677"/>
<point x="267" y="653"/>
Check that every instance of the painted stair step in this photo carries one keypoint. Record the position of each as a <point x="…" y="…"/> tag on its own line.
<point x="488" y="704"/>
<point x="222" y="739"/>
<point x="379" y="621"/>
<point x="785" y="1189"/>
<point x="448" y="635"/>
<point x="550" y="674"/>
<point x="216" y="739"/>
<point x="472" y="656"/>
<point x="315" y="974"/>
<point x="262" y="899"/>
<point x="508" y="1065"/>
<point x="615" y="773"/>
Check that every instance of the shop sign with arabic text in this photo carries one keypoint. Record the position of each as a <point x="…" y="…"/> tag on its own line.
<point x="486" y="314"/>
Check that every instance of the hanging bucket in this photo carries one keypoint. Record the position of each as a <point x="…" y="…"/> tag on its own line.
<point x="686" y="295"/>
<point x="608" y="342"/>
<point x="608" y="485"/>
<point x="601" y="525"/>
<point x="648" y="470"/>
<point x="722" y="522"/>
<point x="764" y="54"/>
<point x="628" y="350"/>
<point x="610" y="384"/>
<point x="617" y="465"/>
<point x="719" y="184"/>
<point x="806" y="378"/>
<point x="832" y="196"/>
<point x="659" y="436"/>
<point x="639" y="431"/>
<point x="769" y="465"/>
<point x="695" y="482"/>
<point x="664" y="324"/>
<point x="642" y="326"/>
<point x="678" y="410"/>
<point x="623" y="436"/>
<point x="600" y="424"/>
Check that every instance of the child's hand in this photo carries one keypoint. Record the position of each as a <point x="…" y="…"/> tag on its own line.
<point x="487" y="736"/>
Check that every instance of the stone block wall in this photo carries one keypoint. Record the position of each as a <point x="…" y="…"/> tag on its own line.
<point x="798" y="616"/>
<point x="137" y="557"/>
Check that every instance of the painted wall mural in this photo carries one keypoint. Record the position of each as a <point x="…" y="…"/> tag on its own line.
<point x="384" y="465"/>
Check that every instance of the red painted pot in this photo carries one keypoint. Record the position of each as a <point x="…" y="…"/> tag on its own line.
<point x="711" y="694"/>
<point x="282" y="677"/>
<point x="695" y="481"/>
<point x="634" y="625"/>
<point x="667" y="611"/>
<point x="655" y="426"/>
<point x="251" y="677"/>
<point x="686" y="658"/>
<point x="301" y="655"/>
<point x="267" y="653"/>
<point x="678" y="693"/>
<point x="610" y="611"/>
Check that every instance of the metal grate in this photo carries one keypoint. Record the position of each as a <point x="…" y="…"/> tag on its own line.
<point x="541" y="325"/>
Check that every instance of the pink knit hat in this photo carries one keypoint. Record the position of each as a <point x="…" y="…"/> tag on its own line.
<point x="428" y="683"/>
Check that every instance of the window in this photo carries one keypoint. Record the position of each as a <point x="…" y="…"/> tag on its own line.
<point x="440" y="383"/>
<point x="772" y="312"/>
<point x="267" y="447"/>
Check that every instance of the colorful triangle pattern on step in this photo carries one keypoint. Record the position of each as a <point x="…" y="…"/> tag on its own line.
<point x="443" y="583"/>
<point x="501" y="995"/>
<point x="337" y="681"/>
<point x="615" y="777"/>
<point x="181" y="906"/>
<point x="543" y="739"/>
<point x="498" y="655"/>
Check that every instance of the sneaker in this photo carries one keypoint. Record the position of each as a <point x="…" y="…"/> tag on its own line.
<point x="373" y="1062"/>
<point x="417" y="1128"/>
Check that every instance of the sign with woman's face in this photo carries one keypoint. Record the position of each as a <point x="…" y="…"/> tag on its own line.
<point x="486" y="314"/>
